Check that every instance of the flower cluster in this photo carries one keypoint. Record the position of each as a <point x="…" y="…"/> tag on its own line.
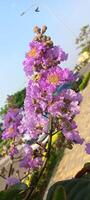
<point x="12" y="181"/>
<point x="32" y="159"/>
<point x="12" y="120"/>
<point x="42" y="63"/>
<point x="40" y="57"/>
<point x="49" y="95"/>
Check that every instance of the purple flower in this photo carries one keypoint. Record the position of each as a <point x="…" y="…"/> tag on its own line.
<point x="69" y="130"/>
<point x="37" y="162"/>
<point x="38" y="47"/>
<point x="11" y="122"/>
<point x="10" y="116"/>
<point x="12" y="181"/>
<point x="55" y="108"/>
<point x="12" y="151"/>
<point x="10" y="132"/>
<point x="59" y="54"/>
<point x="42" y="62"/>
<point x="29" y="160"/>
<point x="87" y="148"/>
<point x="52" y="77"/>
<point x="73" y="136"/>
<point x="28" y="150"/>
<point x="54" y="56"/>
<point x="33" y="57"/>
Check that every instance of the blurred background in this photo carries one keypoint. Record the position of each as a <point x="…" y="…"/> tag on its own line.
<point x="17" y="19"/>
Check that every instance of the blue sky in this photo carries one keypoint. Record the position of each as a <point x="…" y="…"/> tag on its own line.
<point x="63" y="19"/>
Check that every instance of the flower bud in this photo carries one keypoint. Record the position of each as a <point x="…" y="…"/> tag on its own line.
<point x="44" y="28"/>
<point x="36" y="30"/>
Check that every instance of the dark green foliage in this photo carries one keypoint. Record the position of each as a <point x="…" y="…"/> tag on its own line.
<point x="16" y="100"/>
<point x="14" y="192"/>
<point x="84" y="81"/>
<point x="3" y="110"/>
<point x="76" y="189"/>
<point x="59" y="193"/>
<point x="86" y="165"/>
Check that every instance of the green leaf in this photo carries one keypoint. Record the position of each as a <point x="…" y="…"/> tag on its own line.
<point x="14" y="192"/>
<point x="75" y="189"/>
<point x="87" y="165"/>
<point x="59" y="194"/>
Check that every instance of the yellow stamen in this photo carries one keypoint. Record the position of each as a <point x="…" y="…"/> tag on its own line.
<point x="10" y="130"/>
<point x="32" y="53"/>
<point x="53" y="78"/>
<point x="37" y="77"/>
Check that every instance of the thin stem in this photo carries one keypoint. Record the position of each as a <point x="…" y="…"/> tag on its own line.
<point x="55" y="133"/>
<point x="25" y="176"/>
<point x="3" y="177"/>
<point x="30" y="192"/>
<point x="10" y="171"/>
<point x="41" y="145"/>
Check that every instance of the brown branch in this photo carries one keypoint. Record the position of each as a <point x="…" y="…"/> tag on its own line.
<point x="41" y="145"/>
<point x="55" y="133"/>
<point x="3" y="177"/>
<point x="25" y="176"/>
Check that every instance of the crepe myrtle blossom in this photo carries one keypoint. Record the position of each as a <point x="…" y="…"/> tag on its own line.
<point x="45" y="75"/>
<point x="33" y="57"/>
<point x="34" y="125"/>
<point x="39" y="100"/>
<point x="39" y="93"/>
<point x="69" y="130"/>
<point x="13" y="151"/>
<point x="12" y="181"/>
<point x="49" y="95"/>
<point x="54" y="56"/>
<point x="12" y="120"/>
<point x="72" y="95"/>
<point x="12" y="115"/>
<point x="73" y="136"/>
<point x="87" y="148"/>
<point x="10" y="132"/>
<point x="59" y="54"/>
<point x="55" y="76"/>
<point x="31" y="163"/>
<point x="32" y="158"/>
<point x="41" y="57"/>
<point x="42" y="62"/>
<point x="65" y="105"/>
